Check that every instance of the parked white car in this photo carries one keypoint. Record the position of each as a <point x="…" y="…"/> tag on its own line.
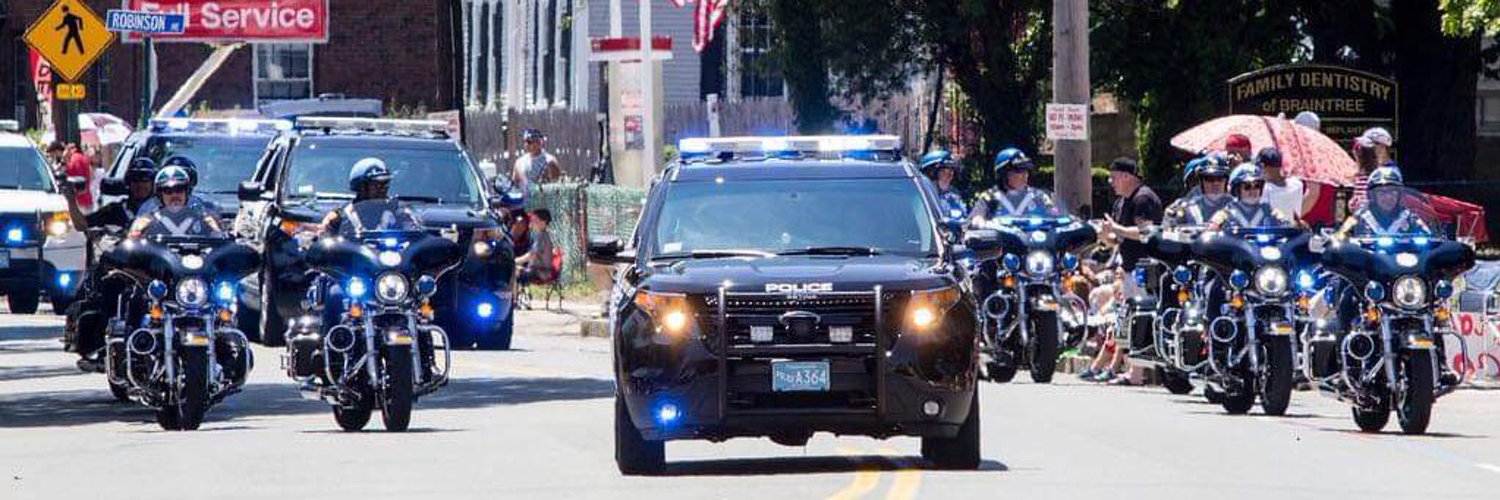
<point x="41" y="254"/>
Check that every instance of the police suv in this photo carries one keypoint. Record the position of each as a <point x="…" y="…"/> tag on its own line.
<point x="303" y="175"/>
<point x="40" y="252"/>
<point x="784" y="286"/>
<point x="224" y="152"/>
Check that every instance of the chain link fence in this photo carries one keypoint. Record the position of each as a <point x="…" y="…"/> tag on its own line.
<point x="582" y="210"/>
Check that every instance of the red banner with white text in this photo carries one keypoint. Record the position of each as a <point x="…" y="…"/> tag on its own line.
<point x="247" y="20"/>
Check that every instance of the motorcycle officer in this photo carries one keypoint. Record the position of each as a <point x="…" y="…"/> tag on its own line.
<point x="1247" y="207"/>
<point x="86" y="318"/>
<point x="174" y="214"/>
<point x="1014" y="196"/>
<point x="372" y="208"/>
<point x="193" y="199"/>
<point x="1211" y="175"/>
<point x="940" y="167"/>
<point x="1385" y="215"/>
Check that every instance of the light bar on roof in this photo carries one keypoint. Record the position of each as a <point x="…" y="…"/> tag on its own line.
<point x="219" y="125"/>
<point x="372" y="124"/>
<point x="774" y="145"/>
<point x="10" y="125"/>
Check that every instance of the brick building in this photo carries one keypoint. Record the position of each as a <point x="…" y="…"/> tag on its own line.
<point x="397" y="51"/>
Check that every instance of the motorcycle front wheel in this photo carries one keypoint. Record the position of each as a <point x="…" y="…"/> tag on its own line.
<point x="396" y="396"/>
<point x="1277" y="381"/>
<point x="1415" y="410"/>
<point x="1043" y="347"/>
<point x="192" y="400"/>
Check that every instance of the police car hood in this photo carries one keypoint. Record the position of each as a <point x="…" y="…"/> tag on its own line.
<point x="28" y="201"/>
<point x="797" y="273"/>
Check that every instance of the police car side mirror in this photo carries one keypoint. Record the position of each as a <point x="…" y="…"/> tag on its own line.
<point x="113" y="187"/>
<point x="606" y="250"/>
<point x="250" y="191"/>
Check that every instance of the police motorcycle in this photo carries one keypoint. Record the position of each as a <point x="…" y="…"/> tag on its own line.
<point x="1388" y="355"/>
<point x="1255" y="251"/>
<point x="1168" y="327"/>
<point x="174" y="346"/>
<point x="1021" y="286"/>
<point x="368" y="338"/>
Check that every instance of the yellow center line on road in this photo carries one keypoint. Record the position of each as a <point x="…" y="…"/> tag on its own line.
<point x="908" y="478"/>
<point x="864" y="481"/>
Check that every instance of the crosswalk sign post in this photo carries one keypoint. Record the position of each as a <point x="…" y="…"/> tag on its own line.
<point x="71" y="37"/>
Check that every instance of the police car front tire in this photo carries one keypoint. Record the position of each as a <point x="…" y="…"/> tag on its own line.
<point x="960" y="451"/>
<point x="23" y="303"/>
<point x="634" y="454"/>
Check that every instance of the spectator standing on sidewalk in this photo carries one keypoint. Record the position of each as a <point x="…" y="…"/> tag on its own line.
<point x="536" y="166"/>
<point x="77" y="164"/>
<point x="536" y="264"/>
<point x="1136" y="209"/>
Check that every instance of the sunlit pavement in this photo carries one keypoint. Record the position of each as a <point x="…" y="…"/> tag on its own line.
<point x="536" y="423"/>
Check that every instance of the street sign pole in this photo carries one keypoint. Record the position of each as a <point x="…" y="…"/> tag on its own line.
<point x="148" y="80"/>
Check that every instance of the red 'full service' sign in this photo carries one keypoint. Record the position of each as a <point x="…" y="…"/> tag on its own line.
<point x="250" y="20"/>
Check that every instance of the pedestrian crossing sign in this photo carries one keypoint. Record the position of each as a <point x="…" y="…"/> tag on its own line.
<point x="71" y="36"/>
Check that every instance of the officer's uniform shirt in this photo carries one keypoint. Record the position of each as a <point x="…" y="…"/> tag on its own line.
<point x="120" y="213"/>
<point x="194" y="201"/>
<point x="1195" y="210"/>
<point x="952" y="204"/>
<point x="1016" y="203"/>
<point x="1237" y="214"/>
<point x="1367" y="222"/>
<point x="185" y="221"/>
<point x="373" y="215"/>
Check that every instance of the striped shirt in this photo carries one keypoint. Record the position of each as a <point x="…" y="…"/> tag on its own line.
<point x="1361" y="185"/>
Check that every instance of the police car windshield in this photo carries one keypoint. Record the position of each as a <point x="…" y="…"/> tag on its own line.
<point x="23" y="168"/>
<point x="887" y="216"/>
<point x="222" y="161"/>
<point x="418" y="175"/>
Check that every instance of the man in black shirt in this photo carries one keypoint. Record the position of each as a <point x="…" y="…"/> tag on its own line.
<point x="1136" y="209"/>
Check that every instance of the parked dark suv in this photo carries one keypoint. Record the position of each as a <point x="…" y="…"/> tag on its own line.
<point x="304" y="175"/>
<point x="779" y="287"/>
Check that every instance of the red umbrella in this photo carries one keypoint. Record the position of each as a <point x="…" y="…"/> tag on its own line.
<point x="1305" y="152"/>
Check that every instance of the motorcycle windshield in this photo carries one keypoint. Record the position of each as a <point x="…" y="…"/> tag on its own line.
<point x="1250" y="249"/>
<point x="1386" y="258"/>
<point x="342" y="257"/>
<point x="1022" y="234"/>
<point x="416" y="252"/>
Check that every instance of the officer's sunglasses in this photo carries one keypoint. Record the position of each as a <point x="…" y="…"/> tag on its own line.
<point x="1256" y="186"/>
<point x="172" y="190"/>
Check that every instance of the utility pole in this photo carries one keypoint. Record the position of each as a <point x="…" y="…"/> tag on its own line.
<point x="1070" y="85"/>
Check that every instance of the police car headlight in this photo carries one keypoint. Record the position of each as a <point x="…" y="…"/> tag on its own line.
<point x="391" y="287"/>
<point x="58" y="224"/>
<point x="1271" y="281"/>
<point x="1410" y="292"/>
<point x="670" y="311"/>
<point x="926" y="309"/>
<point x="1040" y="263"/>
<point x="192" y="292"/>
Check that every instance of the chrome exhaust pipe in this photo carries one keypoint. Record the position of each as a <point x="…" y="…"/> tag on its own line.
<point x="340" y="339"/>
<point x="1223" y="330"/>
<point x="996" y="306"/>
<point x="1359" y="346"/>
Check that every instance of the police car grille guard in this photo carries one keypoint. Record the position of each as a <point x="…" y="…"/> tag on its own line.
<point x="723" y="349"/>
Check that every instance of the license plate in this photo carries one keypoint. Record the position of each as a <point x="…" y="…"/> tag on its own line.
<point x="1281" y="329"/>
<point x="805" y="376"/>
<point x="4" y="259"/>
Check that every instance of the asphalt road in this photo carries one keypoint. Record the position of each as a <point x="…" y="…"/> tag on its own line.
<point x="535" y="423"/>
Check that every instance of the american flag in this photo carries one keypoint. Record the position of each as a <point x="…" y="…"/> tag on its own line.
<point x="706" y="18"/>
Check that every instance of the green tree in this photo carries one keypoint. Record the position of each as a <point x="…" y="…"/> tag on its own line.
<point x="1169" y="60"/>
<point x="998" y="51"/>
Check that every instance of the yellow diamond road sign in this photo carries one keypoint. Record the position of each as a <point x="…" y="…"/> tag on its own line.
<point x="70" y="36"/>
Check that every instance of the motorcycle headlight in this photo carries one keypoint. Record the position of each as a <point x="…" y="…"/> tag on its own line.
<point x="1410" y="292"/>
<point x="1182" y="275"/>
<point x="1271" y="281"/>
<point x="157" y="289"/>
<point x="391" y="287"/>
<point x="1039" y="263"/>
<point x="1306" y="280"/>
<point x="192" y="292"/>
<point x="1375" y="292"/>
<point x="1011" y="262"/>
<point x="225" y="292"/>
<point x="356" y="288"/>
<point x="1238" y="279"/>
<point x="426" y="285"/>
<point x="1070" y="262"/>
<point x="1443" y="289"/>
